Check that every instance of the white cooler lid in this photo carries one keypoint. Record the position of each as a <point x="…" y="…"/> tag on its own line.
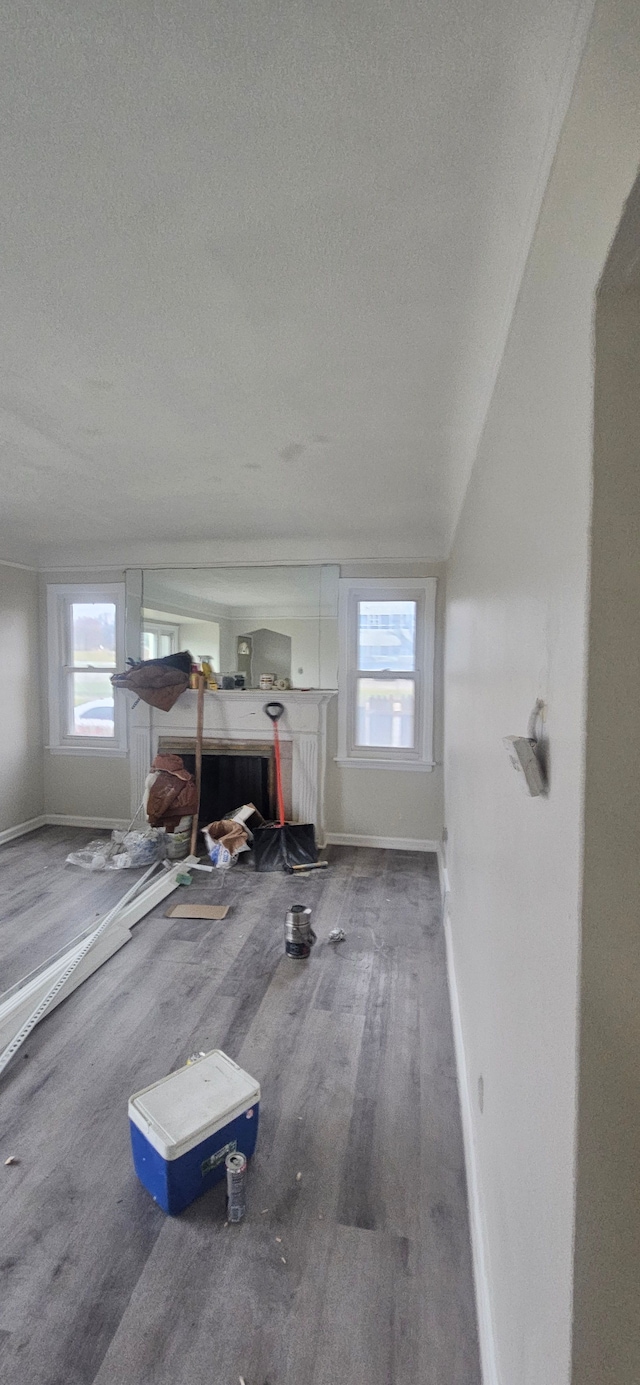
<point x="180" y="1110"/>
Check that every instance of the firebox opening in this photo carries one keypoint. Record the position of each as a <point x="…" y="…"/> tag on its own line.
<point x="228" y="781"/>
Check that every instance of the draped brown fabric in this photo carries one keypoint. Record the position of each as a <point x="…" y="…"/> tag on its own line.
<point x="157" y="683"/>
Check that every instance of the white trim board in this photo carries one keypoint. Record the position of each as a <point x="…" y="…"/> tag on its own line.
<point x="70" y="820"/>
<point x="21" y="829"/>
<point x="60" y="820"/>
<point x="382" y="843"/>
<point x="486" y="1330"/>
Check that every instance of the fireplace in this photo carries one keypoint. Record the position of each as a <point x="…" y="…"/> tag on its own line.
<point x="235" y="723"/>
<point x="234" y="772"/>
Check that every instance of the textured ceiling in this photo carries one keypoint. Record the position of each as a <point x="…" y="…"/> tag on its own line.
<point x="258" y="261"/>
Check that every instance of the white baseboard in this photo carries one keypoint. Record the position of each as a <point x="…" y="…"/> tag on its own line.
<point x="70" y="820"/>
<point x="21" y="829"/>
<point x="383" y="843"/>
<point x="60" y="820"/>
<point x="486" y="1331"/>
<point x="443" y="874"/>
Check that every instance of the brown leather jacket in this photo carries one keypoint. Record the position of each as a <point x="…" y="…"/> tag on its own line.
<point x="173" y="795"/>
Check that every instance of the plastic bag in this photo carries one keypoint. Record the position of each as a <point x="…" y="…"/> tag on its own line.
<point x="122" y="851"/>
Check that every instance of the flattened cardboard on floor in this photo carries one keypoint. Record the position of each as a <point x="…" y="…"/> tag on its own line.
<point x="198" y="911"/>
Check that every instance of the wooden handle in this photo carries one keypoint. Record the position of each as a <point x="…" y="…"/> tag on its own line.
<point x="199" y="730"/>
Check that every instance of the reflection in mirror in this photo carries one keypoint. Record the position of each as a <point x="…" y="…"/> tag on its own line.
<point x="246" y="624"/>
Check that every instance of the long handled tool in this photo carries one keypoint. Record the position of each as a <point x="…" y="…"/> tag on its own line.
<point x="282" y="845"/>
<point x="199" y="730"/>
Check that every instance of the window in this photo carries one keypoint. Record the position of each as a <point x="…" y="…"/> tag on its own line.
<point x="86" y="645"/>
<point x="386" y="673"/>
<point x="158" y="639"/>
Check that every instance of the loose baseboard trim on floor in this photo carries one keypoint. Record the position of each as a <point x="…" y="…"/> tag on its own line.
<point x="21" y="829"/>
<point x="486" y="1332"/>
<point x="382" y="843"/>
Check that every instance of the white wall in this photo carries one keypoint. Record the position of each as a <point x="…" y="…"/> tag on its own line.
<point x="607" y="1302"/>
<point x="21" y="786"/>
<point x="202" y="638"/>
<point x="517" y="593"/>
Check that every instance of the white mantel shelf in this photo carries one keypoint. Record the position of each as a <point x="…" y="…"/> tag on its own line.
<point x="237" y="714"/>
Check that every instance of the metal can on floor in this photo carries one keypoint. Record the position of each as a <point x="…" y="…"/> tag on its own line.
<point x="236" y="1166"/>
<point x="299" y="936"/>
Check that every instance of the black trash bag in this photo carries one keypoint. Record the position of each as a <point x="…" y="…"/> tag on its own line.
<point x="283" y="847"/>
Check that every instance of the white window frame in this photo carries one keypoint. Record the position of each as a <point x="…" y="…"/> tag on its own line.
<point x="60" y="598"/>
<point x="159" y="627"/>
<point x="422" y="590"/>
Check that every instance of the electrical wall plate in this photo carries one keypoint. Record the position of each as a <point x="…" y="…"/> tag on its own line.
<point x="522" y="753"/>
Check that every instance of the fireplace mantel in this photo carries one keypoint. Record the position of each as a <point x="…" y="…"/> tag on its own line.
<point x="237" y="715"/>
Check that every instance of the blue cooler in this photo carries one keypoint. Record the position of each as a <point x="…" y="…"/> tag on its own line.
<point x="183" y="1127"/>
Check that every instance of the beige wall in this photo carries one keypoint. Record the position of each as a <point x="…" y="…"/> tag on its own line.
<point x="21" y="785"/>
<point x="607" y="1292"/>
<point x="517" y="590"/>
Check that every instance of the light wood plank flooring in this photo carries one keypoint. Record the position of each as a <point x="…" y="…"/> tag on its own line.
<point x="370" y="1280"/>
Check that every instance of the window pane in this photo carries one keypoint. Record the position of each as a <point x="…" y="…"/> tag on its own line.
<point x="387" y="635"/>
<point x="149" y="644"/>
<point x="166" y="643"/>
<point x="93" y="631"/>
<point x="92" y="700"/>
<point x="385" y="713"/>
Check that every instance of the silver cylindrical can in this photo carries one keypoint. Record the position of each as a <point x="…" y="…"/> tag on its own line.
<point x="299" y="936"/>
<point x="236" y="1167"/>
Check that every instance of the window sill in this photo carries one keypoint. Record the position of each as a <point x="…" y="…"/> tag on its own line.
<point x="416" y="766"/>
<point x="104" y="751"/>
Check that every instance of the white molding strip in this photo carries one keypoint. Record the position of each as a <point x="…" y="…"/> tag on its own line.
<point x="21" y="829"/>
<point x="486" y="1330"/>
<point x="383" y="843"/>
<point x="443" y="873"/>
<point x="61" y="820"/>
<point x="70" y="820"/>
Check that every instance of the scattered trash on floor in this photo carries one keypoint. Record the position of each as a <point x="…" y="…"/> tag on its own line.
<point x="122" y="851"/>
<point x="298" y="1177"/>
<point x="198" y="911"/>
<point x="183" y="878"/>
<point x="225" y="840"/>
<point x="236" y="1166"/>
<point x="193" y="1057"/>
<point x="337" y="935"/>
<point x="312" y="865"/>
<point x="11" y="1160"/>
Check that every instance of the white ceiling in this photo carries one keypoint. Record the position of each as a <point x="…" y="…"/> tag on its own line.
<point x="259" y="259"/>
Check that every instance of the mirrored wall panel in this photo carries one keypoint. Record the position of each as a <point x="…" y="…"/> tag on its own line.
<point x="247" y="623"/>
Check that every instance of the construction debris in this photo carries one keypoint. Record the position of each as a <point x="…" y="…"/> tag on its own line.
<point x="11" y="1160"/>
<point x="337" y="935"/>
<point x="24" y="1005"/>
<point x="198" y="911"/>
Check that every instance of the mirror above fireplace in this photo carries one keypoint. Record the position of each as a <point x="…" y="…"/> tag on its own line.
<point x="247" y="622"/>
